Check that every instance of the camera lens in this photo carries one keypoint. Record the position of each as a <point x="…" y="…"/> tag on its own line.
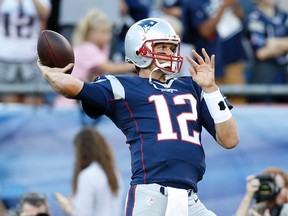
<point x="268" y="188"/>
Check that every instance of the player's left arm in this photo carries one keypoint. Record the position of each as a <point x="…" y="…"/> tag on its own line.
<point x="203" y="73"/>
<point x="227" y="133"/>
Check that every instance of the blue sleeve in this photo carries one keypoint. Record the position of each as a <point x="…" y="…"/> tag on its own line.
<point x="207" y="120"/>
<point x="94" y="97"/>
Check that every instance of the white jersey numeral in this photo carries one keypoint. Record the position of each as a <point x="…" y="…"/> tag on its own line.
<point x="163" y="114"/>
<point x="165" y="122"/>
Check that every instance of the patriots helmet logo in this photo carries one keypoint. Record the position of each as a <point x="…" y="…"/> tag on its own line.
<point x="147" y="24"/>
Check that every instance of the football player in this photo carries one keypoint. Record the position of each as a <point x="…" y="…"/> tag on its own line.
<point x="161" y="115"/>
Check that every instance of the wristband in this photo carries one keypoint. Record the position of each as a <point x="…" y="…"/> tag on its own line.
<point x="217" y="106"/>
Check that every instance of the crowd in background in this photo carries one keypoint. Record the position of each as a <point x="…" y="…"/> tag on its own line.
<point x="249" y="39"/>
<point x="21" y="23"/>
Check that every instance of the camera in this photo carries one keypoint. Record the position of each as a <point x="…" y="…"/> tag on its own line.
<point x="268" y="189"/>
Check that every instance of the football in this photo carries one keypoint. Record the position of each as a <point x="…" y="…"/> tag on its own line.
<point x="54" y="50"/>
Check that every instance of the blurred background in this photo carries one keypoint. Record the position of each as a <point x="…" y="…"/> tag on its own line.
<point x="36" y="136"/>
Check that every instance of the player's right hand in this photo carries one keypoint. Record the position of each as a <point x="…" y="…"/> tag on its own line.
<point x="45" y="69"/>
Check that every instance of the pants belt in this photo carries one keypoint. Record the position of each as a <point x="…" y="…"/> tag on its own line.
<point x="163" y="190"/>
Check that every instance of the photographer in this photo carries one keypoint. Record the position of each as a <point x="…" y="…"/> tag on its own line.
<point x="266" y="194"/>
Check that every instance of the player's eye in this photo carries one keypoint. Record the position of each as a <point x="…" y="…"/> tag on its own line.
<point x="173" y="49"/>
<point x="165" y="48"/>
<point x="160" y="48"/>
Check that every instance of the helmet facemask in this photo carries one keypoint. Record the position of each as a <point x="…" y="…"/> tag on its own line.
<point x="167" y="63"/>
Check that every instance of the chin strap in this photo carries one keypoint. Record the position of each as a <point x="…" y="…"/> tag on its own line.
<point x="170" y="76"/>
<point x="150" y="78"/>
<point x="167" y="77"/>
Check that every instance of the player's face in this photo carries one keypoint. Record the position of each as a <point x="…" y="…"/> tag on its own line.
<point x="165" y="57"/>
<point x="165" y="50"/>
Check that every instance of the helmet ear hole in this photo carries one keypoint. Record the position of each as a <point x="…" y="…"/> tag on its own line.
<point x="142" y="51"/>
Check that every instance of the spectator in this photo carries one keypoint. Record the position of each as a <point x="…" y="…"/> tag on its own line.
<point x="97" y="186"/>
<point x="215" y="25"/>
<point x="34" y="204"/>
<point x="22" y="22"/>
<point x="270" y="189"/>
<point x="234" y="53"/>
<point x="91" y="42"/>
<point x="200" y="20"/>
<point x="268" y="35"/>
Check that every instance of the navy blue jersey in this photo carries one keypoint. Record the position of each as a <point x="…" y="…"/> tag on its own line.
<point x="163" y="126"/>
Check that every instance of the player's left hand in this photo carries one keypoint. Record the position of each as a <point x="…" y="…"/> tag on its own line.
<point x="203" y="71"/>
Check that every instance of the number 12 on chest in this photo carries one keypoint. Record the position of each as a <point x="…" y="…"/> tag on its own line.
<point x="164" y="118"/>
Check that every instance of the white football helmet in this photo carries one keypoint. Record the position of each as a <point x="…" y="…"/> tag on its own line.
<point x="140" y="40"/>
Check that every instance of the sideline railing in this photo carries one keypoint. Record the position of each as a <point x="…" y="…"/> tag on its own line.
<point x="228" y="90"/>
<point x="254" y="89"/>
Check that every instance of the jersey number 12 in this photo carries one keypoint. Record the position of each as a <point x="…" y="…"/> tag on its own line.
<point x="165" y="122"/>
